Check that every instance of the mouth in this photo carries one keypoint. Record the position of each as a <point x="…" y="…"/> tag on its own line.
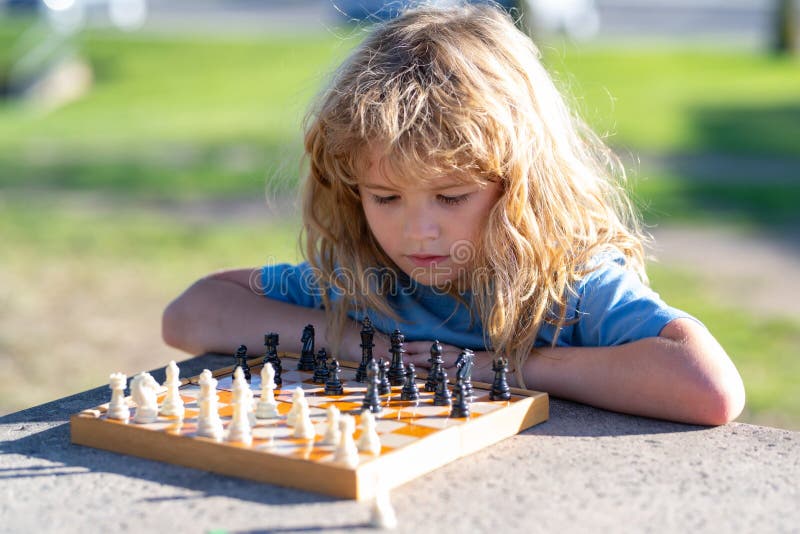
<point x="426" y="260"/>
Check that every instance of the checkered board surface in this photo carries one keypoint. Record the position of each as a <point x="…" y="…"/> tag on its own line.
<point x="409" y="432"/>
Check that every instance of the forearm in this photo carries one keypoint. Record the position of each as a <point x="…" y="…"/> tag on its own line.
<point x="655" y="377"/>
<point x="218" y="315"/>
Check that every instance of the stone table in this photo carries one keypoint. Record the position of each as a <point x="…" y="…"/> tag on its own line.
<point x="583" y="470"/>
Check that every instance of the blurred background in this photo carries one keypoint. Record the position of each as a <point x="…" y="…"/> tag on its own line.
<point x="145" y="143"/>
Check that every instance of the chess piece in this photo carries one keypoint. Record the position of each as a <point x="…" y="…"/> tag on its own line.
<point x="118" y="407"/>
<point x="307" y="361"/>
<point x="442" y="395"/>
<point x="267" y="407"/>
<point x="500" y="389"/>
<point x="436" y="364"/>
<point x="371" y="399"/>
<point x="346" y="452"/>
<point x="369" y="441"/>
<point x="383" y="515"/>
<point x="397" y="372"/>
<point x="461" y="401"/>
<point x="464" y="363"/>
<point x="304" y="428"/>
<point x="144" y="389"/>
<point x="240" y="429"/>
<point x="367" y="335"/>
<point x="410" y="392"/>
<point x="173" y="404"/>
<point x="298" y="398"/>
<point x="321" y="367"/>
<point x="271" y="356"/>
<point x="333" y="386"/>
<point x="241" y="361"/>
<point x="384" y="386"/>
<point x="209" y="423"/>
<point x="332" y="433"/>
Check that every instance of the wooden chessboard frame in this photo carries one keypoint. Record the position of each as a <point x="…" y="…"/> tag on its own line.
<point x="386" y="471"/>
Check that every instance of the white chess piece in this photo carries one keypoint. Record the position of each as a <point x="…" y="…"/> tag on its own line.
<point x="240" y="427"/>
<point x="298" y="398"/>
<point x="173" y="404"/>
<point x="370" y="441"/>
<point x="332" y="434"/>
<point x="209" y="423"/>
<point x="303" y="427"/>
<point x="346" y="452"/>
<point x="383" y="515"/>
<point x="267" y="408"/>
<point x="144" y="390"/>
<point x="118" y="407"/>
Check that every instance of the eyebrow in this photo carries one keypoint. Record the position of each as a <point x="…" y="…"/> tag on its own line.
<point x="381" y="187"/>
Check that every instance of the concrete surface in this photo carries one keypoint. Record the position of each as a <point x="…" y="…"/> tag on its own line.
<point x="584" y="470"/>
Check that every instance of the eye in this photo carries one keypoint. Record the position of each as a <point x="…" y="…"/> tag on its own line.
<point x="384" y="200"/>
<point x="453" y="200"/>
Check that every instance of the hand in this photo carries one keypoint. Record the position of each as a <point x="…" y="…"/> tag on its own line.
<point x="418" y="353"/>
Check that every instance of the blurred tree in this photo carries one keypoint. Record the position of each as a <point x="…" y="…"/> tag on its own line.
<point x="787" y="27"/>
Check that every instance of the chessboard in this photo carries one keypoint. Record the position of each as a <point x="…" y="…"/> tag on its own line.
<point x="416" y="437"/>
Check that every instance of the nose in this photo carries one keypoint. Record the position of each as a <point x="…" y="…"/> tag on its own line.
<point x="421" y="223"/>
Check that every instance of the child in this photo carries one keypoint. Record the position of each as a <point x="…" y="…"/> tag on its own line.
<point x="453" y="195"/>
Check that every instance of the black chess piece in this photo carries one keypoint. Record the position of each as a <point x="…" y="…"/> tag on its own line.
<point x="461" y="401"/>
<point x="241" y="361"/>
<point x="397" y="371"/>
<point x="442" y="395"/>
<point x="334" y="386"/>
<point x="500" y="389"/>
<point x="321" y="368"/>
<point x="271" y="355"/>
<point x="367" y="335"/>
<point x="372" y="401"/>
<point x="307" y="361"/>
<point x="436" y="364"/>
<point x="384" y="386"/>
<point x="410" y="392"/>
<point x="464" y="364"/>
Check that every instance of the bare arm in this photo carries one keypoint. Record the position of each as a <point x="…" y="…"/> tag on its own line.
<point x="220" y="312"/>
<point x="682" y="375"/>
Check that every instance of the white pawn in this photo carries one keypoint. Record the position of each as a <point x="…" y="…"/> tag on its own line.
<point x="383" y="515"/>
<point x="332" y="433"/>
<point x="346" y="452"/>
<point x="298" y="399"/>
<point x="267" y="408"/>
<point x="118" y="407"/>
<point x="144" y="390"/>
<point x="240" y="427"/>
<point x="209" y="423"/>
<point x="304" y="428"/>
<point x="370" y="441"/>
<point x="173" y="403"/>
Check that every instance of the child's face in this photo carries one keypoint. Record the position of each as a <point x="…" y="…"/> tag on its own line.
<point x="430" y="231"/>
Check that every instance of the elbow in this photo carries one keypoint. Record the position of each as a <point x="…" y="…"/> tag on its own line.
<point x="722" y="401"/>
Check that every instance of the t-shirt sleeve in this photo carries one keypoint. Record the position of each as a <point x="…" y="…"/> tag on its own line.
<point x="615" y="307"/>
<point x="295" y="284"/>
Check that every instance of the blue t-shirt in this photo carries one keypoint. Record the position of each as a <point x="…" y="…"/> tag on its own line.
<point x="610" y="306"/>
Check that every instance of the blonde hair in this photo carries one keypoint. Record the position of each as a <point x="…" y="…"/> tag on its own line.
<point x="462" y="90"/>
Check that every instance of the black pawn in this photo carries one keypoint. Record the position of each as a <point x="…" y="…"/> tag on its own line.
<point x="442" y="395"/>
<point x="436" y="365"/>
<point x="371" y="400"/>
<point x="307" y="361"/>
<point x="241" y="361"/>
<point x="410" y="392"/>
<point x="461" y="402"/>
<point x="271" y="355"/>
<point x="367" y="335"/>
<point x="500" y="389"/>
<point x="321" y="369"/>
<point x="334" y="384"/>
<point x="384" y="386"/>
<point x="397" y="371"/>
